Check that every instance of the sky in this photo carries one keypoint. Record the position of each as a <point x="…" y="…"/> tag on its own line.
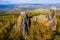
<point x="29" y="1"/>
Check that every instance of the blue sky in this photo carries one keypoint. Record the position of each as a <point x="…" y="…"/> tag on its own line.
<point x="29" y="1"/>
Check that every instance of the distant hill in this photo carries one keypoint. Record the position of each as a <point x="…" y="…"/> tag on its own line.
<point x="28" y="5"/>
<point x="19" y="7"/>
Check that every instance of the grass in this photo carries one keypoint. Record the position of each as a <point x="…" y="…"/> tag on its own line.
<point x="37" y="31"/>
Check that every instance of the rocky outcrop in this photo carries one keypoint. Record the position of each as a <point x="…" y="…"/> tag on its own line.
<point x="23" y="25"/>
<point x="23" y="22"/>
<point x="48" y="20"/>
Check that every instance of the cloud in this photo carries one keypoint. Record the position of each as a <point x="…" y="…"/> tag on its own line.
<point x="28" y="1"/>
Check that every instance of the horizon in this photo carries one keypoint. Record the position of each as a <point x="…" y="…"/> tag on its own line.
<point x="29" y="5"/>
<point x="14" y="3"/>
<point x="5" y="2"/>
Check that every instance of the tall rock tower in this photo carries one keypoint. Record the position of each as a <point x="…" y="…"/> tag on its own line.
<point x="52" y="16"/>
<point x="24" y="24"/>
<point x="53" y="12"/>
